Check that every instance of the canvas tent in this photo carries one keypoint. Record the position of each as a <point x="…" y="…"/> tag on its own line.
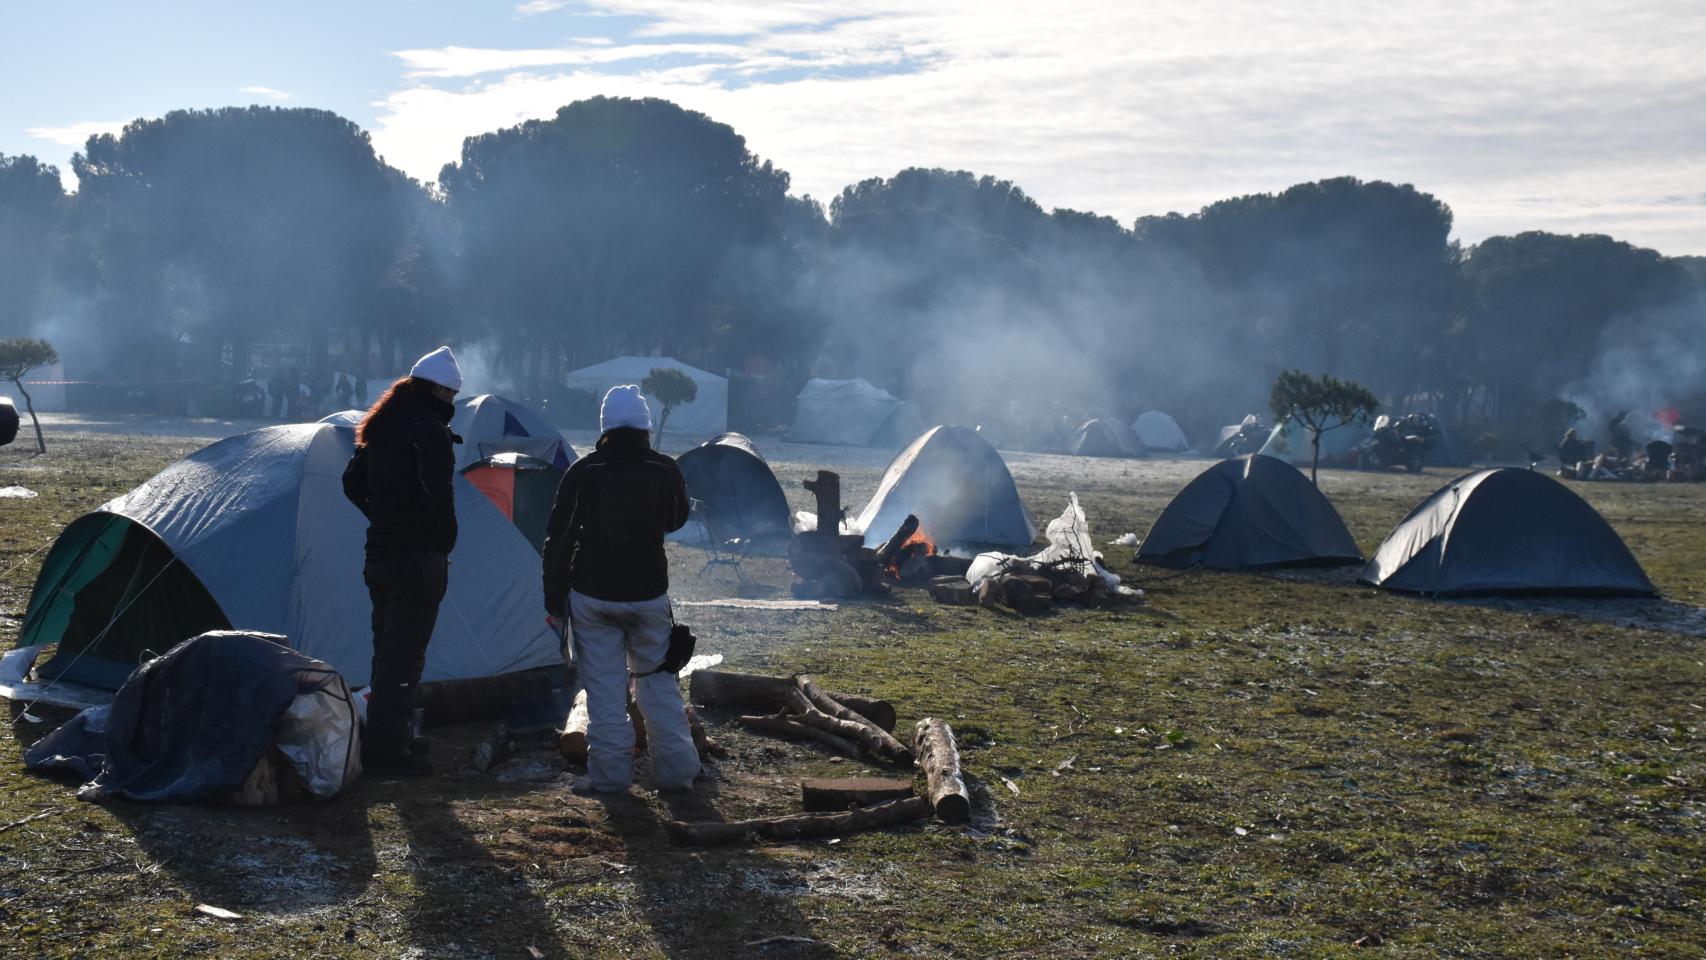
<point x="1105" y="438"/>
<point x="1245" y="513"/>
<point x="852" y="413"/>
<point x="1291" y="442"/>
<point x="706" y="416"/>
<point x="736" y="494"/>
<point x="254" y="533"/>
<point x="489" y="424"/>
<point x="959" y="488"/>
<point x="523" y="488"/>
<point x="1160" y="432"/>
<point x="1506" y="531"/>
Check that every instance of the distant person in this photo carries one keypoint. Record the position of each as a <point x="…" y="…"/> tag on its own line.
<point x="401" y="477"/>
<point x="606" y="571"/>
<point x="278" y="395"/>
<point x="345" y="391"/>
<point x="1621" y="441"/>
<point x="1571" y="449"/>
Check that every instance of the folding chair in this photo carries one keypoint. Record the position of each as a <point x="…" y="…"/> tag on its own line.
<point x="723" y="547"/>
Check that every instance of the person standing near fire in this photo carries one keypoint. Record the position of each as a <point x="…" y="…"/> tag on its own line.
<point x="605" y="570"/>
<point x="401" y="478"/>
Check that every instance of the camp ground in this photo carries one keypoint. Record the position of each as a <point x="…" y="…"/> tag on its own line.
<point x="1251" y="634"/>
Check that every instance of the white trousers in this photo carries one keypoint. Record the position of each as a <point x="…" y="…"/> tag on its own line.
<point x="610" y="639"/>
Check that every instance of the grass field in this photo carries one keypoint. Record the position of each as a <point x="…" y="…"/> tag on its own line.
<point x="1247" y="766"/>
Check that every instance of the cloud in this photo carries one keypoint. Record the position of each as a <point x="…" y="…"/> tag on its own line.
<point x="533" y="7"/>
<point x="1130" y="108"/>
<point x="76" y="134"/>
<point x="266" y="92"/>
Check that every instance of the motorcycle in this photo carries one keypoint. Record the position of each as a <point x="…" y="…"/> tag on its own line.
<point x="1403" y="442"/>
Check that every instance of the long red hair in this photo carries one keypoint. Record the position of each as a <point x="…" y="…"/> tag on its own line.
<point x="400" y="391"/>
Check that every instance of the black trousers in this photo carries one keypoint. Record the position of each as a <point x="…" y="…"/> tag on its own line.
<point x="406" y="589"/>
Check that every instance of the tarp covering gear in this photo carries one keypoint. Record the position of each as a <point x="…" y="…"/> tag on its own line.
<point x="1506" y="531"/>
<point x="254" y="531"/>
<point x="1247" y="513"/>
<point x="706" y="416"/>
<point x="192" y="724"/>
<point x="1105" y="438"/>
<point x="523" y="488"/>
<point x="736" y="494"/>
<point x="1290" y="441"/>
<point x="8" y="421"/>
<point x="959" y="488"/>
<point x="852" y="413"/>
<point x="1159" y="432"/>
<point x="489" y="424"/>
<point x="1246" y="436"/>
<point x="1069" y="543"/>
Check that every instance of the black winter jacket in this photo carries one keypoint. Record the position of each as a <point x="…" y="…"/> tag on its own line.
<point x="401" y="478"/>
<point x="605" y="536"/>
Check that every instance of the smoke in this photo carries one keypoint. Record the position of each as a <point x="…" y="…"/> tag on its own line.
<point x="481" y="370"/>
<point x="1646" y="362"/>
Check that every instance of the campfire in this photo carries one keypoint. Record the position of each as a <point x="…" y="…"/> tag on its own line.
<point x="909" y="560"/>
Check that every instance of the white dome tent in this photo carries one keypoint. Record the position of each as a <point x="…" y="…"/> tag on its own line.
<point x="707" y="416"/>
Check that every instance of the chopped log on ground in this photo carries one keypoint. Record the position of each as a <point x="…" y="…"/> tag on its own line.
<point x="752" y="691"/>
<point x="870" y="747"/>
<point x="800" y="826"/>
<point x="572" y="742"/>
<point x="702" y="741"/>
<point x="875" y="739"/>
<point x="821" y="794"/>
<point x="933" y="739"/>
<point x="783" y="725"/>
<point x="953" y="591"/>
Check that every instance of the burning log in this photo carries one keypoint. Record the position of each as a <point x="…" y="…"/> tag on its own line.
<point x="782" y="725"/>
<point x="886" y="553"/>
<point x="939" y="755"/>
<point x="819" y="795"/>
<point x="808" y="700"/>
<point x="751" y="691"/>
<point x="798" y="826"/>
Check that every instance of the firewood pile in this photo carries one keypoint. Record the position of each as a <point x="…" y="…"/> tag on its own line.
<point x="1027" y="586"/>
<point x="846" y="724"/>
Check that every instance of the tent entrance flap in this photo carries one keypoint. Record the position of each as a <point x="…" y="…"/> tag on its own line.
<point x="111" y="595"/>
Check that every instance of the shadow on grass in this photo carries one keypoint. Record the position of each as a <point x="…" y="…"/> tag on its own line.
<point x="706" y="903"/>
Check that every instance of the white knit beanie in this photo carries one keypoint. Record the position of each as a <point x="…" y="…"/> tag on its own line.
<point x="624" y="406"/>
<point x="440" y="367"/>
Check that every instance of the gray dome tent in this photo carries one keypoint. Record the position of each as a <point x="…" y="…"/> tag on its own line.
<point x="852" y="413"/>
<point x="1247" y="513"/>
<point x="959" y="488"/>
<point x="739" y="496"/>
<point x="489" y="424"/>
<point x="1506" y="531"/>
<point x="1105" y="438"/>
<point x="254" y="532"/>
<point x="1159" y="431"/>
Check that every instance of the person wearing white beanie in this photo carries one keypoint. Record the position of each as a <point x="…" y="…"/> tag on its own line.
<point x="605" y="570"/>
<point x="401" y="478"/>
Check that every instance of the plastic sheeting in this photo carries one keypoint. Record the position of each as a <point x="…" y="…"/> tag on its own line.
<point x="706" y="416"/>
<point x="1069" y="540"/>
<point x="1506" y="531"/>
<point x="192" y="724"/>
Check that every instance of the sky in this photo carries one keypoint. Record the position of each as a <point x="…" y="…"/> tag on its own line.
<point x="1575" y="116"/>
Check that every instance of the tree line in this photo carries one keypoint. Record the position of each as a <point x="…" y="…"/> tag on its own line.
<point x="203" y="245"/>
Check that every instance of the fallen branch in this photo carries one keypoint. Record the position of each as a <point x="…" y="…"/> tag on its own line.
<point x="33" y="816"/>
<point x="752" y="691"/>
<point x="890" y="747"/>
<point x="940" y="758"/>
<point x="781" y="938"/>
<point x="799" y="826"/>
<point x="819" y="795"/>
<point x="782" y="725"/>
